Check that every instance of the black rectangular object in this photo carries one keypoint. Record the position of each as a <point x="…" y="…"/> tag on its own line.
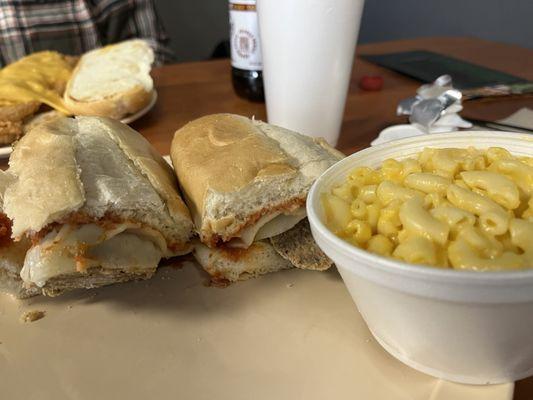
<point x="427" y="66"/>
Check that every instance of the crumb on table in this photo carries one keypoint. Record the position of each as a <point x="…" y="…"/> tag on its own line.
<point x="31" y="316"/>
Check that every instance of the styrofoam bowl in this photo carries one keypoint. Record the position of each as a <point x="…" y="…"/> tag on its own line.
<point x="463" y="326"/>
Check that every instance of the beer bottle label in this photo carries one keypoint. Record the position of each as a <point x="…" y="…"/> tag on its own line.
<point x="244" y="35"/>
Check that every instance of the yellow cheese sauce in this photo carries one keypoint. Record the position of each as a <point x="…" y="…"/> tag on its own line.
<point x="37" y="77"/>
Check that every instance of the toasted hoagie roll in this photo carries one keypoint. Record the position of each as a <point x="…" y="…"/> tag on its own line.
<point x="98" y="203"/>
<point x="246" y="182"/>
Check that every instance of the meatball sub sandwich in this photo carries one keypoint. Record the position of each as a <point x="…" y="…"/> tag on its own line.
<point x="97" y="202"/>
<point x="246" y="184"/>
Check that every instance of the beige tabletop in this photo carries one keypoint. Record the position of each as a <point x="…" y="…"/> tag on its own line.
<point x="289" y="335"/>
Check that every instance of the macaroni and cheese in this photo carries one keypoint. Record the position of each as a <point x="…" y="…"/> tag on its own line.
<point x="466" y="209"/>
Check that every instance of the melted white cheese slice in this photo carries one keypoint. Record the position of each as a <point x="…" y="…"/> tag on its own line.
<point x="123" y="246"/>
<point x="267" y="226"/>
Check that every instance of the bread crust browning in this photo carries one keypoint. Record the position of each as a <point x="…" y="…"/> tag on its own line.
<point x="298" y="246"/>
<point x="10" y="131"/>
<point x="117" y="106"/>
<point x="17" y="111"/>
<point x="61" y="173"/>
<point x="233" y="171"/>
<point x="226" y="265"/>
<point x="11" y="119"/>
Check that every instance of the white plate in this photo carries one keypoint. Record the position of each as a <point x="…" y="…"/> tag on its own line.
<point x="289" y="335"/>
<point x="141" y="113"/>
<point x="5" y="151"/>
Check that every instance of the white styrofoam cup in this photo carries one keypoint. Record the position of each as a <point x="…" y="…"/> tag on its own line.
<point x="308" y="48"/>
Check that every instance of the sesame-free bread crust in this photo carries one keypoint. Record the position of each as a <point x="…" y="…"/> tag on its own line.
<point x="46" y="168"/>
<point x="298" y="246"/>
<point x="72" y="176"/>
<point x="113" y="81"/>
<point x="226" y="265"/>
<point x="234" y="170"/>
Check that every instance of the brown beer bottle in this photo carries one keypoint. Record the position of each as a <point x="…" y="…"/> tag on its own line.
<point x="246" y="62"/>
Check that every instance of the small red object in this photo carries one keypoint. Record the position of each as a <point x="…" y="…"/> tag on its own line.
<point x="371" y="83"/>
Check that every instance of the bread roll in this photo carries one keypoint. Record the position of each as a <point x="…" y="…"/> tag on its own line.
<point x="113" y="81"/>
<point x="246" y="184"/>
<point x="238" y="173"/>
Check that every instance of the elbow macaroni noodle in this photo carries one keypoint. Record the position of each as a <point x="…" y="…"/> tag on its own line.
<point x="466" y="209"/>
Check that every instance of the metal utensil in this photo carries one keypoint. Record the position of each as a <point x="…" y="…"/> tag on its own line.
<point x="426" y="112"/>
<point x="498" y="126"/>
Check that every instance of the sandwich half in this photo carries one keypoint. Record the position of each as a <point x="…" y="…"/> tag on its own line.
<point x="246" y="184"/>
<point x="97" y="202"/>
<point x="113" y="81"/>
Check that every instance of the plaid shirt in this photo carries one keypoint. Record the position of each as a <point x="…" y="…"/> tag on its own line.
<point x="75" y="26"/>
